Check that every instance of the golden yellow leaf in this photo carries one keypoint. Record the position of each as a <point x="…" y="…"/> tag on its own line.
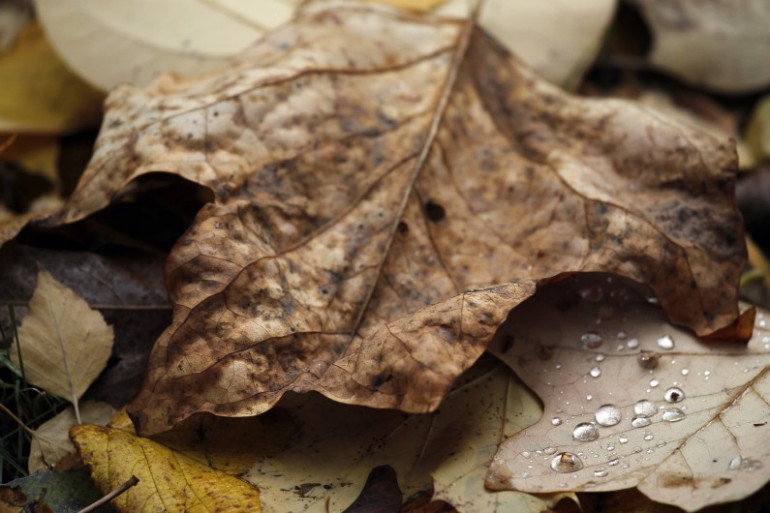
<point x="35" y="154"/>
<point x="412" y="5"/>
<point x="168" y="481"/>
<point x="64" y="344"/>
<point x="39" y="93"/>
<point x="51" y="440"/>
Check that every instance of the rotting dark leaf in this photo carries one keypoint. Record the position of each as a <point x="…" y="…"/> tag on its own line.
<point x="334" y="258"/>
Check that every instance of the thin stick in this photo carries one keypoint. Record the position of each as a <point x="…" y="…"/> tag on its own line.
<point x="17" y="420"/>
<point x="114" y="493"/>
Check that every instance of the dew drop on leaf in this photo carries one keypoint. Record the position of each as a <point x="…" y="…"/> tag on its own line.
<point x="566" y="462"/>
<point x="645" y="408"/>
<point x="549" y="450"/>
<point x="608" y="415"/>
<point x="599" y="357"/>
<point x="623" y="439"/>
<point x="591" y="340"/>
<point x="613" y="461"/>
<point x="673" y="415"/>
<point x="654" y="382"/>
<point x="556" y="421"/>
<point x="673" y="395"/>
<point x="666" y="342"/>
<point x="585" y="432"/>
<point x="633" y="343"/>
<point x="638" y="422"/>
<point x="595" y="372"/>
<point x="600" y="472"/>
<point x="648" y="436"/>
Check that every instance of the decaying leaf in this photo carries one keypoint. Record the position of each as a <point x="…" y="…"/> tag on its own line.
<point x="309" y="453"/>
<point x="380" y="206"/>
<point x="64" y="344"/>
<point x="168" y="482"/>
<point x="39" y="93"/>
<point x="63" y="492"/>
<point x="559" y="39"/>
<point x="632" y="401"/>
<point x="133" y="43"/>
<point x="720" y="44"/>
<point x="758" y="131"/>
<point x="52" y="442"/>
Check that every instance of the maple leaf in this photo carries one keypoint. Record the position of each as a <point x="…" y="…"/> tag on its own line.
<point x="630" y="400"/>
<point x="387" y="188"/>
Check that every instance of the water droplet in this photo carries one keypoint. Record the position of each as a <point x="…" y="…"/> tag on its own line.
<point x="650" y="450"/>
<point x="608" y="415"/>
<point x="673" y="415"/>
<point x="595" y="372"/>
<point x="654" y="382"/>
<point x="600" y="357"/>
<point x="633" y="343"/>
<point x="549" y="450"/>
<point x="585" y="432"/>
<point x="685" y="372"/>
<point x="613" y="461"/>
<point x="600" y="472"/>
<point x="623" y="439"/>
<point x="647" y="360"/>
<point x="673" y="395"/>
<point x="610" y="447"/>
<point x="622" y="335"/>
<point x="557" y="366"/>
<point x="706" y="373"/>
<point x="666" y="342"/>
<point x="735" y="463"/>
<point x="645" y="408"/>
<point x="638" y="422"/>
<point x="636" y="450"/>
<point x="556" y="421"/>
<point x="660" y="444"/>
<point x="648" y="436"/>
<point x="653" y="300"/>
<point x="589" y="397"/>
<point x="566" y="462"/>
<point x="591" y="340"/>
<point x="526" y="454"/>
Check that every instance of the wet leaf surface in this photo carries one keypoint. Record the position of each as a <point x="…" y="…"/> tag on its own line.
<point x="632" y="401"/>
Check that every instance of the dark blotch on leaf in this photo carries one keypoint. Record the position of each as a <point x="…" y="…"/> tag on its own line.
<point x="434" y="211"/>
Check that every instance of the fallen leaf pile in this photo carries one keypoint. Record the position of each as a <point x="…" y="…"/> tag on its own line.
<point x="392" y="193"/>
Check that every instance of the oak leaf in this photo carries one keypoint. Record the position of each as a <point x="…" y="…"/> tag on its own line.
<point x="387" y="188"/>
<point x="167" y="481"/>
<point x="631" y="401"/>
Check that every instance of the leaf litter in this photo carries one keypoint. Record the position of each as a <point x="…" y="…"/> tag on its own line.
<point x="365" y="249"/>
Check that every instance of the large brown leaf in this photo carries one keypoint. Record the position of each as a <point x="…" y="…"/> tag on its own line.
<point x="387" y="187"/>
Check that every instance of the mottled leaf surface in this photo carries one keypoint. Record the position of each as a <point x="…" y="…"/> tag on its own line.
<point x="689" y="419"/>
<point x="387" y="188"/>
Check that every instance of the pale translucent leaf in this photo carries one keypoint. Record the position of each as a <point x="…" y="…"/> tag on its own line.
<point x="588" y="343"/>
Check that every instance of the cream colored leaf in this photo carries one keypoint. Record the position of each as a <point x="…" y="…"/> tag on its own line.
<point x="633" y="401"/>
<point x="113" y="42"/>
<point x="720" y="44"/>
<point x="558" y="38"/>
<point x="449" y="449"/>
<point x="64" y="344"/>
<point x="52" y="442"/>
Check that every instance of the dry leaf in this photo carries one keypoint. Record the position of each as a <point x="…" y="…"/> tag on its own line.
<point x="632" y="401"/>
<point x="14" y="16"/>
<point x="168" y="482"/>
<point x="64" y="344"/>
<point x="558" y="38"/>
<point x="720" y="44"/>
<point x="52" y="442"/>
<point x="353" y="250"/>
<point x="132" y="43"/>
<point x="40" y="94"/>
<point x="309" y="452"/>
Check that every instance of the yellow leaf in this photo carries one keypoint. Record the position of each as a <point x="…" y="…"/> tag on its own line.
<point x="64" y="344"/>
<point x="39" y="93"/>
<point x="35" y="154"/>
<point x="412" y="5"/>
<point x="168" y="481"/>
<point x="51" y="441"/>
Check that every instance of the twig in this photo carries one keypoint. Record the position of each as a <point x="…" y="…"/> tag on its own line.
<point x="114" y="493"/>
<point x="17" y="420"/>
